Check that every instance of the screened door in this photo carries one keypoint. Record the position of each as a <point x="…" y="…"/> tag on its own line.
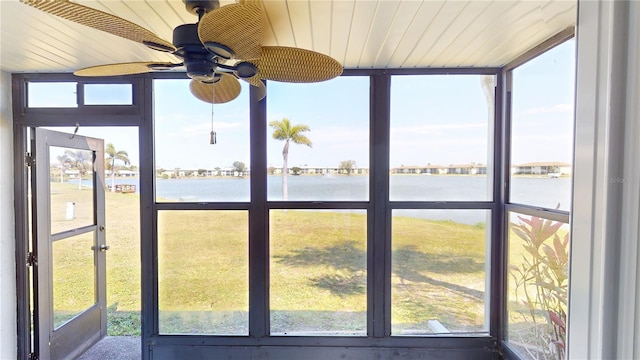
<point x="69" y="218"/>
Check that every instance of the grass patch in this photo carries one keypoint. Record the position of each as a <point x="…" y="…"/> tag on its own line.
<point x="318" y="270"/>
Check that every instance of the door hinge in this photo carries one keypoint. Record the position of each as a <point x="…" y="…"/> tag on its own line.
<point x="33" y="356"/>
<point x="29" y="160"/>
<point x="31" y="259"/>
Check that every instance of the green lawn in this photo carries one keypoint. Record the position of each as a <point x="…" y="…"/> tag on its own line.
<point x="318" y="271"/>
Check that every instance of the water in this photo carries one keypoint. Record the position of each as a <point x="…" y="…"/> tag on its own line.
<point x="540" y="191"/>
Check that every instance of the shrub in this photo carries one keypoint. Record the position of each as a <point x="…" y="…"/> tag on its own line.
<point x="541" y="280"/>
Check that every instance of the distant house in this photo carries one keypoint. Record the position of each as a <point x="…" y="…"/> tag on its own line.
<point x="168" y="173"/>
<point x="407" y="169"/>
<point x="464" y="169"/>
<point x="433" y="169"/>
<point x="72" y="173"/>
<point x="467" y="169"/>
<point x="318" y="170"/>
<point x="127" y="173"/>
<point x="542" y="168"/>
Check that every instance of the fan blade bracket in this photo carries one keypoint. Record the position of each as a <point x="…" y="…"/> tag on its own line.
<point x="194" y="6"/>
<point x="122" y="69"/>
<point x="219" y="50"/>
<point x="159" y="47"/>
<point x="163" y="66"/>
<point x="245" y="69"/>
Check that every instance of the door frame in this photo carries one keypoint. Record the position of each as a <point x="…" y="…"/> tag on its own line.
<point x="89" y="326"/>
<point x="136" y="115"/>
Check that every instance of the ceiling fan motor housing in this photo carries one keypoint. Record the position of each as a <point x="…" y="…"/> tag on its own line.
<point x="199" y="62"/>
<point x="193" y="6"/>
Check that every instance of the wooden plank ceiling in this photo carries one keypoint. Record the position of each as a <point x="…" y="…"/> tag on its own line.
<point x="358" y="33"/>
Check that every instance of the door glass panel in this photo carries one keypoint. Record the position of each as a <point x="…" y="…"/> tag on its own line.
<point x="74" y="277"/>
<point x="71" y="181"/>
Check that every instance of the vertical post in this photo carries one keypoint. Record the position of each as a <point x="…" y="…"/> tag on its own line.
<point x="148" y="218"/>
<point x="258" y="219"/>
<point x="379" y="217"/>
<point x="498" y="276"/>
<point x="20" y="214"/>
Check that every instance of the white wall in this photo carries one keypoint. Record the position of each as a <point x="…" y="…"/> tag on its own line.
<point x="8" y="340"/>
<point x="604" y="293"/>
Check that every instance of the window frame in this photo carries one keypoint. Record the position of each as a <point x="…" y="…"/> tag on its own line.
<point x="378" y="208"/>
<point x="562" y="216"/>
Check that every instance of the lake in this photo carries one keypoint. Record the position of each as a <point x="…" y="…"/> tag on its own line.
<point x="538" y="191"/>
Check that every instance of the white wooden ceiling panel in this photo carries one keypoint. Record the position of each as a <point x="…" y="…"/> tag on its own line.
<point x="456" y="28"/>
<point x="71" y="46"/>
<point x="403" y="17"/>
<point x="495" y="43"/>
<point x="321" y="24"/>
<point x="183" y="16"/>
<point x="383" y="18"/>
<point x="437" y="31"/>
<point x="151" y="19"/>
<point x="361" y="23"/>
<point x="55" y="32"/>
<point x="39" y="52"/>
<point x="490" y="29"/>
<point x="300" y="16"/>
<point x="341" y="28"/>
<point x="358" y="33"/>
<point x="416" y="30"/>
<point x="125" y="10"/>
<point x="278" y="19"/>
<point x="463" y="31"/>
<point x="530" y="29"/>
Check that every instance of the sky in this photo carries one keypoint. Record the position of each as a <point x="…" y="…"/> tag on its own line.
<point x="438" y="120"/>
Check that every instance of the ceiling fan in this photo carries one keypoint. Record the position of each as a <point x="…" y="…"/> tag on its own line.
<point x="222" y="47"/>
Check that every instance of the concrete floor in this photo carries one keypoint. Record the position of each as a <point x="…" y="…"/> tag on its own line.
<point x="115" y="348"/>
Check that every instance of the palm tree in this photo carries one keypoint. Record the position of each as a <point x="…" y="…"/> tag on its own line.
<point x="79" y="159"/>
<point x="64" y="165"/>
<point x="112" y="157"/>
<point x="283" y="130"/>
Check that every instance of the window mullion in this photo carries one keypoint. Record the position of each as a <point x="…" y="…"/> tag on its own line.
<point x="258" y="220"/>
<point x="379" y="261"/>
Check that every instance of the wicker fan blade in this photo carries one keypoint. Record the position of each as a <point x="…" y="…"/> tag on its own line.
<point x="124" y="69"/>
<point x="236" y="27"/>
<point x="296" y="65"/>
<point x="222" y="91"/>
<point x="102" y="21"/>
<point x="257" y="82"/>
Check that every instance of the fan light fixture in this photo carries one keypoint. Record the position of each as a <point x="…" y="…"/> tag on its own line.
<point x="222" y="47"/>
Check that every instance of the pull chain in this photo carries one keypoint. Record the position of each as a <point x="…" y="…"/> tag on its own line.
<point x="212" y="134"/>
